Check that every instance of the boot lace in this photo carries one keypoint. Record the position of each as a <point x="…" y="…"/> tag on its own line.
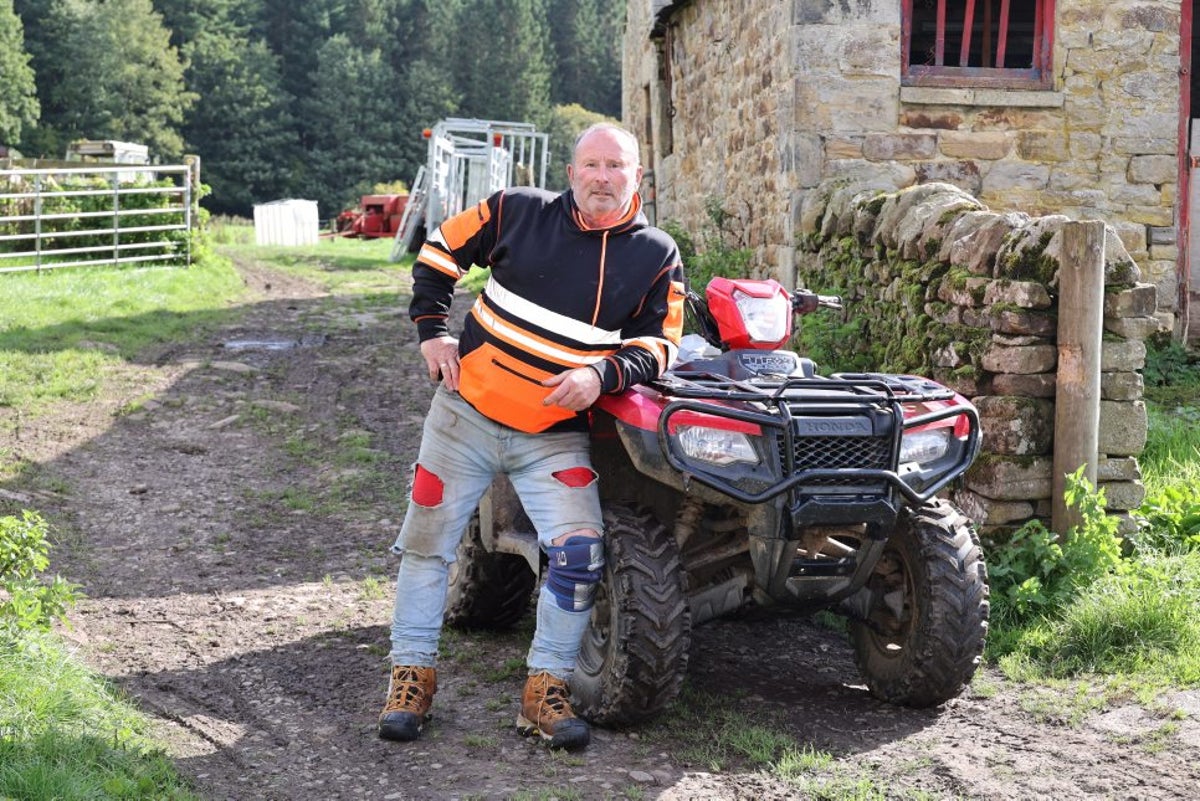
<point x="555" y="702"/>
<point x="408" y="692"/>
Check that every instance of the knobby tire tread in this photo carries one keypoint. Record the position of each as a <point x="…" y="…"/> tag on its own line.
<point x="646" y="654"/>
<point x="943" y="651"/>
<point x="491" y="590"/>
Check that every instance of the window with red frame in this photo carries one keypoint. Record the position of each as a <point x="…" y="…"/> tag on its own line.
<point x="978" y="43"/>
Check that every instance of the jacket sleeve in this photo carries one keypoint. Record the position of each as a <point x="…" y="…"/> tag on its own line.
<point x="650" y="340"/>
<point x="445" y="257"/>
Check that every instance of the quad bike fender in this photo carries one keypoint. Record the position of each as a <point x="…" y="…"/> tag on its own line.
<point x="504" y="527"/>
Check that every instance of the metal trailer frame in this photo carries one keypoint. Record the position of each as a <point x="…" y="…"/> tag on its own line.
<point x="468" y="160"/>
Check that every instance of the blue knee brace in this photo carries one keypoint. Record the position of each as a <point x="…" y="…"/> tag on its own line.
<point x="575" y="569"/>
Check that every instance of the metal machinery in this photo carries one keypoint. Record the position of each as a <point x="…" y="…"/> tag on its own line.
<point x="377" y="216"/>
<point x="468" y="160"/>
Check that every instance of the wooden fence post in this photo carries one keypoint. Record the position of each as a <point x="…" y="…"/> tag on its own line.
<point x="1080" y="327"/>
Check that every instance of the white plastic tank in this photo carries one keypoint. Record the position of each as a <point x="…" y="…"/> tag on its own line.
<point x="286" y="222"/>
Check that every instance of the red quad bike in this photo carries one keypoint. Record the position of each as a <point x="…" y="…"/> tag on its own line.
<point x="742" y="478"/>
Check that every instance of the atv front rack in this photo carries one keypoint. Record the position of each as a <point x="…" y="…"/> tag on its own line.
<point x="785" y="404"/>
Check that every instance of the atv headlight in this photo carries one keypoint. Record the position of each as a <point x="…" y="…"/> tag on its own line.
<point x="924" y="446"/>
<point x="766" y="319"/>
<point x="715" y="446"/>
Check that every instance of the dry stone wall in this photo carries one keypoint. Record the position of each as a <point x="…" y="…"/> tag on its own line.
<point x="971" y="295"/>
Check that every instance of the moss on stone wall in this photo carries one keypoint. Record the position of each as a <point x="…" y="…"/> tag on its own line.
<point x="1030" y="263"/>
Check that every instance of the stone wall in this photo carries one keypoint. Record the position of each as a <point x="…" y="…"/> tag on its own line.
<point x="733" y="146"/>
<point x="983" y="320"/>
<point x="756" y="103"/>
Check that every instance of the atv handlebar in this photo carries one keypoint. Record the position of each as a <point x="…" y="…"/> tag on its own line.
<point x="805" y="302"/>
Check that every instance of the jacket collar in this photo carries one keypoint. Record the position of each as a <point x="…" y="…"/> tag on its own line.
<point x="633" y="217"/>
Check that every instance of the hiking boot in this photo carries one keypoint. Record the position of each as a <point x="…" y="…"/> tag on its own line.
<point x="410" y="694"/>
<point x="546" y="711"/>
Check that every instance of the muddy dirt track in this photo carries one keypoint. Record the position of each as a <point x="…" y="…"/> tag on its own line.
<point x="227" y="506"/>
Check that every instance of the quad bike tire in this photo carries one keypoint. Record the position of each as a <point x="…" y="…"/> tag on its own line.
<point x="921" y="648"/>
<point x="635" y="650"/>
<point x="487" y="590"/>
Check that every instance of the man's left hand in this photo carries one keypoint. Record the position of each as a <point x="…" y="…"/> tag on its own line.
<point x="573" y="389"/>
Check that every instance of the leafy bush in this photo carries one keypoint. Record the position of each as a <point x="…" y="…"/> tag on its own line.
<point x="1169" y="521"/>
<point x="27" y="603"/>
<point x="1172" y="372"/>
<point x="1037" y="574"/>
<point x="716" y="252"/>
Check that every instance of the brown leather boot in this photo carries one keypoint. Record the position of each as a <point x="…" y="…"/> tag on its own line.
<point x="546" y="711"/>
<point x="410" y="694"/>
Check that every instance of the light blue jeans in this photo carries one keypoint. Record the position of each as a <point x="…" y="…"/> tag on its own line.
<point x="461" y="453"/>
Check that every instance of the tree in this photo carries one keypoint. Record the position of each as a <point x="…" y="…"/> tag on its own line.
<point x="18" y="92"/>
<point x="188" y="19"/>
<point x="500" y="60"/>
<point x="106" y="70"/>
<point x="586" y="39"/>
<point x="352" y="118"/>
<point x="295" y="32"/>
<point x="241" y="126"/>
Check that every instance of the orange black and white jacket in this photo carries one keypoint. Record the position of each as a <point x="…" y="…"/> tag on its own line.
<point x="559" y="296"/>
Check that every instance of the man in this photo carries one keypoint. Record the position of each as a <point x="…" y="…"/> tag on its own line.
<point x="584" y="297"/>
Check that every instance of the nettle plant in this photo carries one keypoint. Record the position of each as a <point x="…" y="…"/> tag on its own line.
<point x="1037" y="573"/>
<point x="27" y="602"/>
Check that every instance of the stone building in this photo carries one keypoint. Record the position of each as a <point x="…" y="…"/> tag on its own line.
<point x="1071" y="107"/>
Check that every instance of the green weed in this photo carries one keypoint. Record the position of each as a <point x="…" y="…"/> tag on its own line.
<point x="27" y="602"/>
<point x="1036" y="573"/>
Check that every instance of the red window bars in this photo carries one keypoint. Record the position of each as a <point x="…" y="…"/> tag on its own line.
<point x="996" y="43"/>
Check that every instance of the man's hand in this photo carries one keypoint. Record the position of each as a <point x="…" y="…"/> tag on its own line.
<point x="441" y="359"/>
<point x="573" y="389"/>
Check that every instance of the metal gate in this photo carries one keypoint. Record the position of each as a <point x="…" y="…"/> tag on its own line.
<point x="96" y="215"/>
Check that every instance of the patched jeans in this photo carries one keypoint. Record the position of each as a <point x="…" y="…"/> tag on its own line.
<point x="461" y="453"/>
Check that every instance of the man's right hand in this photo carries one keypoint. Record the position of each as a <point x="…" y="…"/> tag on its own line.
<point x="441" y="359"/>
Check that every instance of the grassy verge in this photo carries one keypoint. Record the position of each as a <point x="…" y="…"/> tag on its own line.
<point x="1096" y="617"/>
<point x="66" y="734"/>
<point x="61" y="332"/>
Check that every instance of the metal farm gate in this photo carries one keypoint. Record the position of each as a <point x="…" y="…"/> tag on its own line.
<point x="95" y="216"/>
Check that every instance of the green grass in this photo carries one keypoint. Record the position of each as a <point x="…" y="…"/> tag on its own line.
<point x="1141" y="623"/>
<point x="66" y="734"/>
<point x="338" y="264"/>
<point x="61" y="332"/>
<point x="725" y="734"/>
<point x="1137" y="628"/>
<point x="1172" y="454"/>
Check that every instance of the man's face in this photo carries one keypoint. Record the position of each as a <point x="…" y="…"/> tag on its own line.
<point x="604" y="176"/>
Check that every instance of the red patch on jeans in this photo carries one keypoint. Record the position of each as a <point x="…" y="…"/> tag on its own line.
<point x="427" y="488"/>
<point x="576" y="476"/>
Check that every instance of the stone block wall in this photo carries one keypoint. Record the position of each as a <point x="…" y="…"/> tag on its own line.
<point x="973" y="296"/>
<point x="734" y="146"/>
<point x="759" y="102"/>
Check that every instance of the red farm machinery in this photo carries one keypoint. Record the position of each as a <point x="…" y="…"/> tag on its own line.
<point x="376" y="216"/>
